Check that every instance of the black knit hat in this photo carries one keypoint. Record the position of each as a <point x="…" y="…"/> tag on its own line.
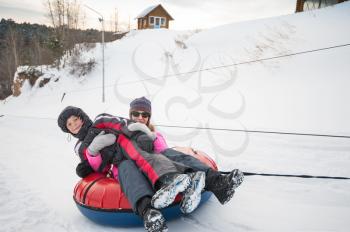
<point x="141" y="104"/>
<point x="69" y="111"/>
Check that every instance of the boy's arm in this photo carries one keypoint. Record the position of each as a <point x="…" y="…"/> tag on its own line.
<point x="113" y="123"/>
<point x="94" y="160"/>
<point x="83" y="169"/>
<point x="127" y="127"/>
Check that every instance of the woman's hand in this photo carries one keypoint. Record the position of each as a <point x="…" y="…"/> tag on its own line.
<point x="137" y="126"/>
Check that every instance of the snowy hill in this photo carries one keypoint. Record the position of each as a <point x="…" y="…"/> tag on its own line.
<point x="305" y="93"/>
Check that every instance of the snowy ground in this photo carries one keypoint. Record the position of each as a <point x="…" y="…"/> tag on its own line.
<point x="307" y="93"/>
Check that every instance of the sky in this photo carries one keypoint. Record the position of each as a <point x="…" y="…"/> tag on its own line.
<point x="188" y="14"/>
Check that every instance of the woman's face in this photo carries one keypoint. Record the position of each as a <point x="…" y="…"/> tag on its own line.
<point x="140" y="116"/>
<point x="74" y="124"/>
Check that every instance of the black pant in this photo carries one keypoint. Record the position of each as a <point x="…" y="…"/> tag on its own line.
<point x="185" y="160"/>
<point x="136" y="186"/>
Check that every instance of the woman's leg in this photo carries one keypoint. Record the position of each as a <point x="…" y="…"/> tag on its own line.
<point x="185" y="159"/>
<point x="223" y="186"/>
<point x="152" y="165"/>
<point x="165" y="177"/>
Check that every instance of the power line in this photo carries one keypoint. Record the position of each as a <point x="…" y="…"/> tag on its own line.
<point x="245" y="173"/>
<point x="28" y="117"/>
<point x="234" y="64"/>
<point x="253" y="61"/>
<point x="292" y="175"/>
<point x="210" y="128"/>
<point x="231" y="130"/>
<point x="256" y="131"/>
<point x="212" y="68"/>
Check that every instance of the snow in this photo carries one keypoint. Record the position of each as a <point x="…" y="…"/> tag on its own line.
<point x="305" y="93"/>
<point x="146" y="11"/>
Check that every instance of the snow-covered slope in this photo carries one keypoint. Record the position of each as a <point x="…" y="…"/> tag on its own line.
<point x="305" y="93"/>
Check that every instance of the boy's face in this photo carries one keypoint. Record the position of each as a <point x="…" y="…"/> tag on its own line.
<point x="74" y="124"/>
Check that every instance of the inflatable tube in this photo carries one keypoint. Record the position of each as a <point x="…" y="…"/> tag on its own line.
<point x="101" y="199"/>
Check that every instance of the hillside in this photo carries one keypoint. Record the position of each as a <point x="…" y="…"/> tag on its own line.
<point x="239" y="87"/>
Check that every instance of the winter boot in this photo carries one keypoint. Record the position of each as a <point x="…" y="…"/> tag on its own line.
<point x="154" y="221"/>
<point x="223" y="186"/>
<point x="237" y="177"/>
<point x="170" y="186"/>
<point x="192" y="195"/>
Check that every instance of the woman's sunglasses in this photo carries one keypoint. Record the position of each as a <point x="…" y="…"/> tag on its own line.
<point x="143" y="114"/>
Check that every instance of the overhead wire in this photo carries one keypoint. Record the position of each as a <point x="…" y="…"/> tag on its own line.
<point x="232" y="130"/>
<point x="207" y="69"/>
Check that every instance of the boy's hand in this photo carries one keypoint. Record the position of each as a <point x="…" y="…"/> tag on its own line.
<point x="101" y="141"/>
<point x="137" y="126"/>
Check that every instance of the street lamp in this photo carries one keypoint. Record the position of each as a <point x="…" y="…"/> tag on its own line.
<point x="103" y="51"/>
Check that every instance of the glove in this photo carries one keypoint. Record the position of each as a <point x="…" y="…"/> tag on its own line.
<point x="144" y="142"/>
<point x="101" y="141"/>
<point x="84" y="169"/>
<point x="137" y="126"/>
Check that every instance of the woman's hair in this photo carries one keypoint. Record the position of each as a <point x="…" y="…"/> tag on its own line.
<point x="151" y="126"/>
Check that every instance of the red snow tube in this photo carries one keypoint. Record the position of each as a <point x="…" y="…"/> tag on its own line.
<point x="101" y="199"/>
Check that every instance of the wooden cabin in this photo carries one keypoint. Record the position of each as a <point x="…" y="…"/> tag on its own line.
<point x="306" y="5"/>
<point x="153" y="17"/>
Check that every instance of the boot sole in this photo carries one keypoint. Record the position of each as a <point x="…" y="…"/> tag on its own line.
<point x="237" y="178"/>
<point x="158" y="225"/>
<point x="192" y="196"/>
<point x="165" y="196"/>
<point x="230" y="194"/>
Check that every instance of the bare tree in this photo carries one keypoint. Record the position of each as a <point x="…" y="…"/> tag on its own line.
<point x="129" y="24"/>
<point x="12" y="41"/>
<point x="63" y="14"/>
<point x="65" y="18"/>
<point x="116" y="19"/>
<point x="51" y="13"/>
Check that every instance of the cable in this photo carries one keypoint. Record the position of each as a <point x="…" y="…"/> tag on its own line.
<point x="211" y="68"/>
<point x="245" y="173"/>
<point x="290" y="175"/>
<point x="255" y="131"/>
<point x="29" y="117"/>
<point x="211" y="128"/>
<point x="234" y="64"/>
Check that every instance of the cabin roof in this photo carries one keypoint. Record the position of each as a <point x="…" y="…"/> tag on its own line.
<point x="146" y="11"/>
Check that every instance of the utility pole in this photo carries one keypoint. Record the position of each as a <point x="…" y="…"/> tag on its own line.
<point x="103" y="50"/>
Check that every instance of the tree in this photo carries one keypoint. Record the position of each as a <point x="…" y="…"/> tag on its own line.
<point x="64" y="16"/>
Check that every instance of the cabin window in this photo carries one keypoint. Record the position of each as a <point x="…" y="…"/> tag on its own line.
<point x="316" y="4"/>
<point x="151" y="20"/>
<point x="328" y="3"/>
<point x="162" y="21"/>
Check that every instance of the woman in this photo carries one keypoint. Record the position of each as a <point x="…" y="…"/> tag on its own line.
<point x="223" y="186"/>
